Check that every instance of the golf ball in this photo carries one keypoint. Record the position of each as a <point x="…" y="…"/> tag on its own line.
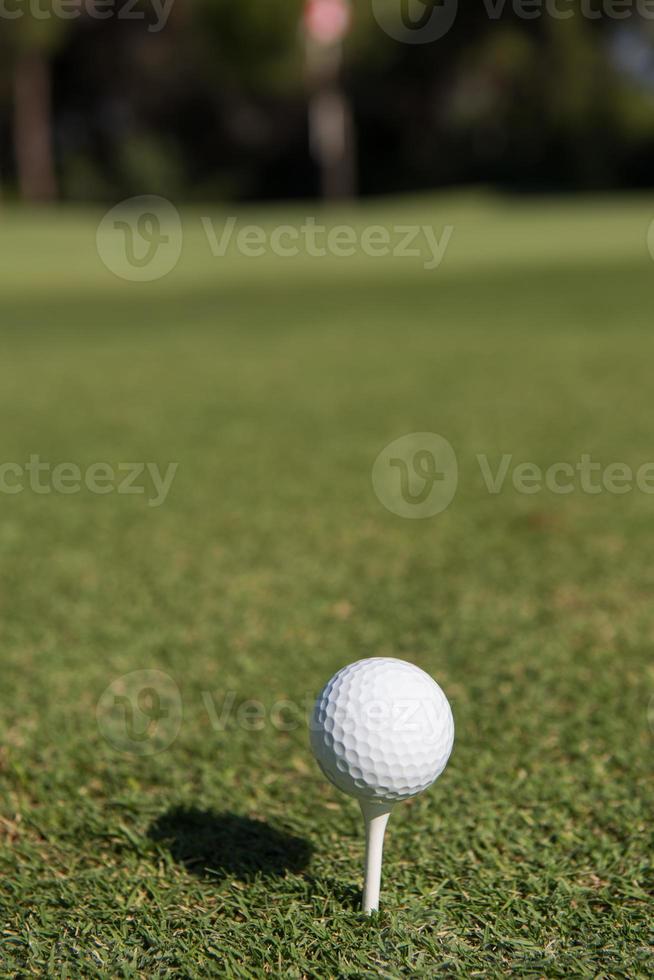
<point x="382" y="729"/>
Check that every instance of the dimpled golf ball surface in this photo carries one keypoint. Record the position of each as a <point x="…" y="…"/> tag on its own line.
<point x="382" y="729"/>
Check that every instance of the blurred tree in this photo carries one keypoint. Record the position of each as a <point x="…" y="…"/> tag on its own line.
<point x="28" y="44"/>
<point x="33" y="125"/>
<point x="213" y="103"/>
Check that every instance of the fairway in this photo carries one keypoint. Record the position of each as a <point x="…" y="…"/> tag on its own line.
<point x="274" y="383"/>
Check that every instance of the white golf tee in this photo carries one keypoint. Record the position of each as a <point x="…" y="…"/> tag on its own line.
<point x="376" y="817"/>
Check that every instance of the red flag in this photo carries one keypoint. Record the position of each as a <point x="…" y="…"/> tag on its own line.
<point x="327" y="21"/>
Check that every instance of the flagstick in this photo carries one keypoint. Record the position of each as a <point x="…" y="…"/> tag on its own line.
<point x="376" y="817"/>
<point x="331" y="127"/>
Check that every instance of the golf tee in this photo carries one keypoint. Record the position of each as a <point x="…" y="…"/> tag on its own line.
<point x="376" y="817"/>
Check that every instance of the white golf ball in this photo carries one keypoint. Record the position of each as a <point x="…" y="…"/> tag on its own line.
<point x="382" y="729"/>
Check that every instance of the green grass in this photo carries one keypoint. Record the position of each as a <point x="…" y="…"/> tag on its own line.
<point x="274" y="384"/>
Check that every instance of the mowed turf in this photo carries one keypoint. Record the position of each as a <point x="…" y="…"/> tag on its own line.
<point x="274" y="383"/>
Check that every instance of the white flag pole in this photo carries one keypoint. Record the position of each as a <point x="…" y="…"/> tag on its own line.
<point x="331" y="126"/>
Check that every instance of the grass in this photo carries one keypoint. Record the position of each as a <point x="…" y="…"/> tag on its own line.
<point x="274" y="383"/>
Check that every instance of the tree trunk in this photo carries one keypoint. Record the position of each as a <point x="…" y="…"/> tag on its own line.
<point x="33" y="127"/>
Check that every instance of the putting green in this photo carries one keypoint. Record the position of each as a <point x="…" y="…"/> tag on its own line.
<point x="275" y="383"/>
